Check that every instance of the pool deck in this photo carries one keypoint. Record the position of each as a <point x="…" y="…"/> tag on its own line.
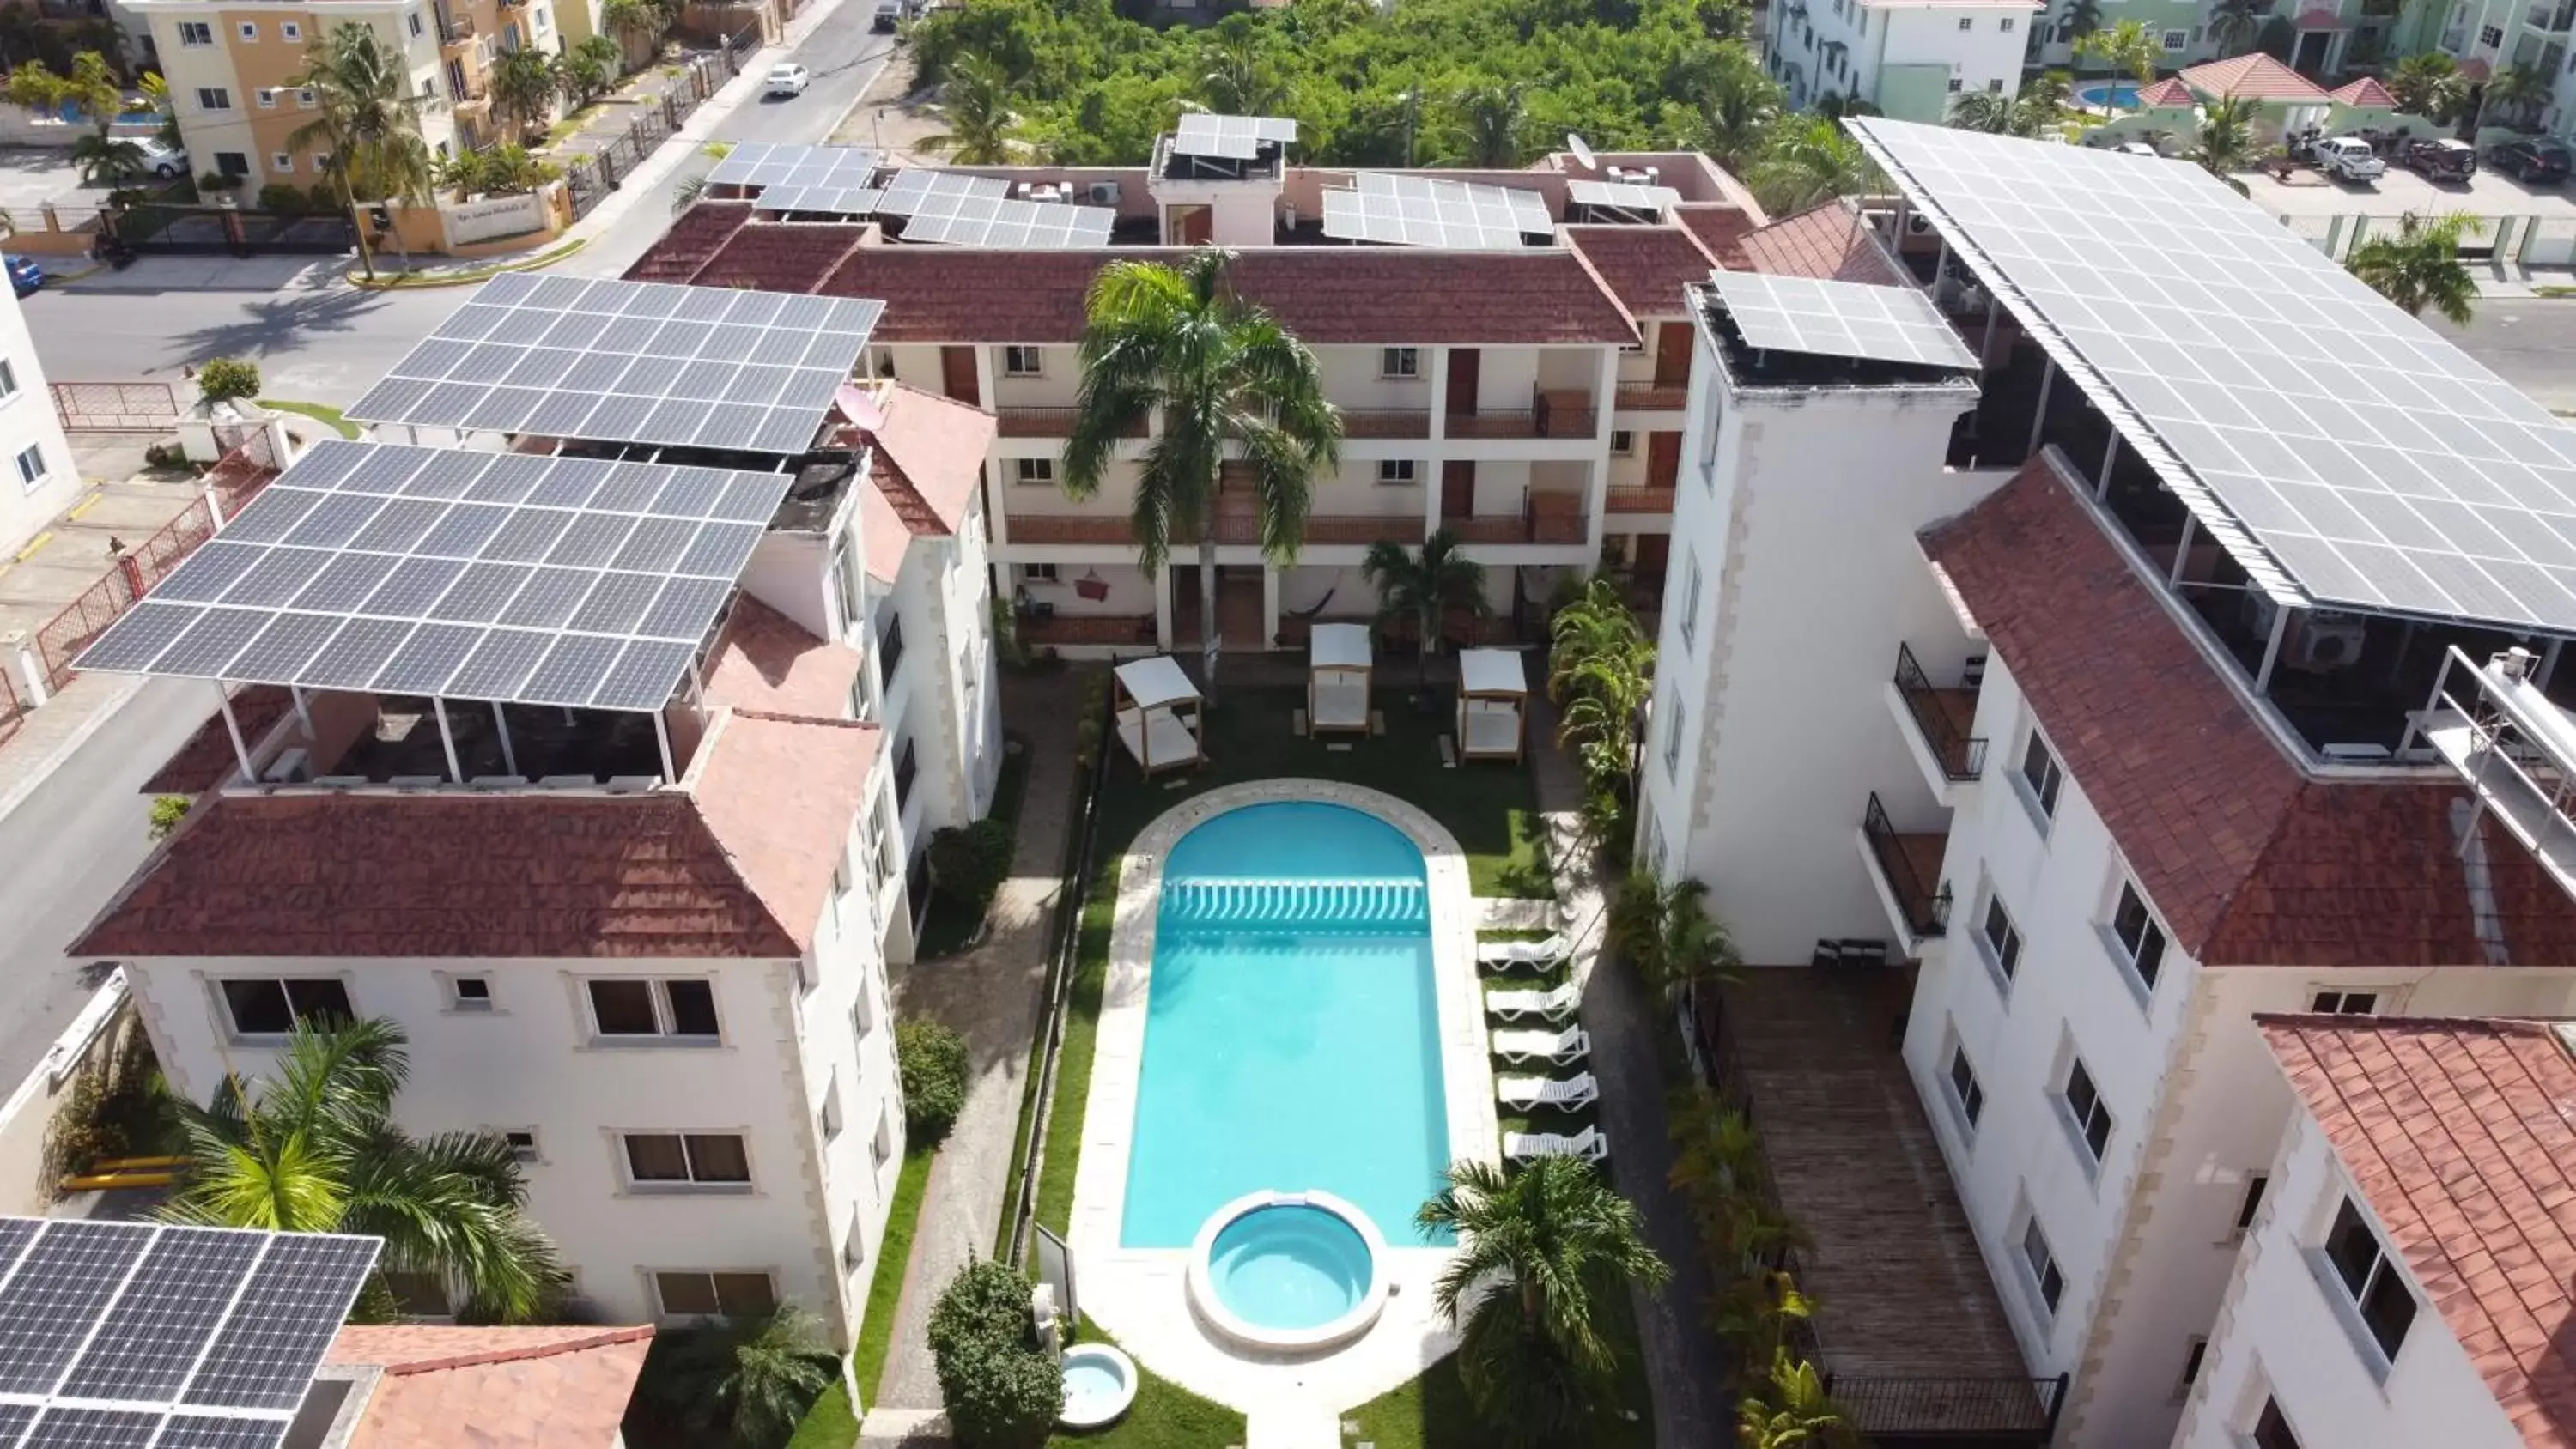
<point x="1139" y="1294"/>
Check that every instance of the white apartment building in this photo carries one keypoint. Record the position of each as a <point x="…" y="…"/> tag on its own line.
<point x="1906" y="57"/>
<point x="1952" y="674"/>
<point x="2405" y="1280"/>
<point x="41" y="479"/>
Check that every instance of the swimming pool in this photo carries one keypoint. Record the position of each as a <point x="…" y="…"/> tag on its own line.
<point x="2103" y="94"/>
<point x="1291" y="1031"/>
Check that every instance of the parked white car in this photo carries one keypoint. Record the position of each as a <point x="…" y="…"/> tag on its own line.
<point x="2350" y="158"/>
<point x="788" y="80"/>
<point x="161" y="158"/>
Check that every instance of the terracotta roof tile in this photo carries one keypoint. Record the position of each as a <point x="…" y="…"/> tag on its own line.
<point x="493" y="1388"/>
<point x="2168" y="92"/>
<point x="695" y="235"/>
<point x="1828" y="242"/>
<point x="1718" y="225"/>
<point x="1647" y="267"/>
<point x="937" y="448"/>
<point x="207" y="759"/>
<point x="766" y="661"/>
<point x="778" y="256"/>
<point x="2366" y="91"/>
<point x="2459" y="1131"/>
<point x="2248" y="862"/>
<point x="2252" y="76"/>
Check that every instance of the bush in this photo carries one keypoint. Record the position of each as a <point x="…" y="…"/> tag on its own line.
<point x="971" y="864"/>
<point x="219" y="181"/>
<point x="1000" y="1391"/>
<point x="931" y="1060"/>
<point x="326" y="198"/>
<point x="167" y="812"/>
<point x="281" y="198"/>
<point x="227" y="378"/>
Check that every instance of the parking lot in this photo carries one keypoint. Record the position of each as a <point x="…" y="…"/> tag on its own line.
<point x="30" y="177"/>
<point x="2400" y="191"/>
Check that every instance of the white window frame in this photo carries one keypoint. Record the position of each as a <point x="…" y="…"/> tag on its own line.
<point x="8" y="379"/>
<point x="691" y="1186"/>
<point x="1712" y="427"/>
<point x="281" y="163"/>
<point x="289" y="30"/>
<point x="1967" y="1099"/>
<point x="1033" y="472"/>
<point x="1687" y="626"/>
<point x="33" y="470"/>
<point x="664" y="1309"/>
<point x="881" y="1147"/>
<point x="1399" y="362"/>
<point x="2349" y="1298"/>
<point x="2140" y="967"/>
<point x="1398" y="473"/>
<point x="195" y="34"/>
<point x="2195" y="1350"/>
<point x="2039" y="1265"/>
<point x="266" y="97"/>
<point x="665" y="1031"/>
<point x="460" y="999"/>
<point x="2173" y="41"/>
<point x="2002" y="958"/>
<point x="532" y="1151"/>
<point x="854" y="1246"/>
<point x="2041" y="795"/>
<point x="285" y="985"/>
<point x="829" y="1116"/>
<point x="2084" y="1119"/>
<point x="2249" y="1206"/>
<point x="248" y="31"/>
<point x="2345" y="1003"/>
<point x="414" y="18"/>
<point x="1040" y="573"/>
<point x="306" y="100"/>
<point x="1967" y="22"/>
<point x="1020" y="359"/>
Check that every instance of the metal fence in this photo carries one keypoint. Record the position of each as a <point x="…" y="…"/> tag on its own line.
<point x="591" y="176"/>
<point x="167" y="229"/>
<point x="116" y="407"/>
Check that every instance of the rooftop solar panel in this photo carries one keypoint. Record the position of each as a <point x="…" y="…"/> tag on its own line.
<point x="1840" y="319"/>
<point x="1402" y="210"/>
<point x="1235" y="138"/>
<point x="834" y="200"/>
<point x="493" y="366"/>
<point x="1027" y="224"/>
<point x="917" y="187"/>
<point x="468" y="605"/>
<point x="2343" y="453"/>
<point x="762" y="164"/>
<point x="1622" y="196"/>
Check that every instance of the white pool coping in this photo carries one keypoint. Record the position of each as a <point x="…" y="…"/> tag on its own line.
<point x="1141" y="1294"/>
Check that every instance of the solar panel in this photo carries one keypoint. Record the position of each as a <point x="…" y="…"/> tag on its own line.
<point x="764" y="165"/>
<point x="1236" y="138"/>
<point x="1840" y="319"/>
<point x="1623" y="196"/>
<point x="2343" y="453"/>
<point x="603" y="552"/>
<point x="1423" y="212"/>
<point x="915" y="188"/>
<point x="984" y="222"/>
<point x="143" y="1336"/>
<point x="566" y="357"/>
<point x="835" y="200"/>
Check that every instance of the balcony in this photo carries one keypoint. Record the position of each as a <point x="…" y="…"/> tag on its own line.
<point x="1386" y="423"/>
<point x="1941" y="719"/>
<point x="456" y="31"/>
<point x="1242" y="526"/>
<point x="1647" y="397"/>
<point x="1906" y="866"/>
<point x="1552" y="413"/>
<point x="1641" y="500"/>
<point x="1069" y="528"/>
<point x="1553" y="518"/>
<point x="1048" y="423"/>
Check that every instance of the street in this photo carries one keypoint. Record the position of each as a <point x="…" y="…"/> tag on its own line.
<point x="2530" y="342"/>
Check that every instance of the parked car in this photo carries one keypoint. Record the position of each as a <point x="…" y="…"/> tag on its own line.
<point x="24" y="275"/>
<point x="888" y="12"/>
<point x="162" y="159"/>
<point x="2534" y="159"/>
<point x="2350" y="158"/>
<point x="788" y="80"/>
<point x="2443" y="160"/>
<point x="2135" y="148"/>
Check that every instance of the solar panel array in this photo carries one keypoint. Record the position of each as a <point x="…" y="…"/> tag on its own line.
<point x="978" y="222"/>
<point x="760" y="164"/>
<point x="643" y="362"/>
<point x="1423" y="212"/>
<point x="838" y="200"/>
<point x="163" y="1337"/>
<point x="1840" y="319"/>
<point x="1622" y="196"/>
<point x="2343" y="453"/>
<point x="489" y="576"/>
<point x="1235" y="138"/>
<point x="916" y="189"/>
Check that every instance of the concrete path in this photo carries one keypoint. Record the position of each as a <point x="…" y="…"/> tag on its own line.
<point x="993" y="995"/>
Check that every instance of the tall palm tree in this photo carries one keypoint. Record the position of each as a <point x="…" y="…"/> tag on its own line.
<point x="2515" y="93"/>
<point x="524" y="84"/>
<point x="2226" y="143"/>
<point x="1224" y="375"/>
<point x="1490" y="120"/>
<point x="1666" y="932"/>
<point x="1237" y="82"/>
<point x="314" y="1149"/>
<point x="1551" y="1242"/>
<point x="2233" y="24"/>
<point x="2427" y="85"/>
<point x="2080" y="19"/>
<point x="747" y="1380"/>
<point x="634" y="20"/>
<point x="1808" y="160"/>
<point x="1737" y="105"/>
<point x="368" y="119"/>
<point x="2419" y="266"/>
<point x="976" y="104"/>
<point x="2128" y="46"/>
<point x="2028" y="113"/>
<point x="1423" y="587"/>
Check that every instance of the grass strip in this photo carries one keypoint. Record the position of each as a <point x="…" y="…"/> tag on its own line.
<point x="1164" y="1416"/>
<point x="1081" y="1036"/>
<point x="413" y="281"/>
<point x="830" y="1424"/>
<point x="894" y="1255"/>
<point x="319" y="412"/>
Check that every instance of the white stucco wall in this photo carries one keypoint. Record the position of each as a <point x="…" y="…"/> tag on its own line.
<point x="27" y="420"/>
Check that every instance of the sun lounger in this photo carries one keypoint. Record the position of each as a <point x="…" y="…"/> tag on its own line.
<point x="1554" y="1004"/>
<point x="1587" y="1144"/>
<point x="1524" y="953"/>
<point x="1562" y="1093"/>
<point x="1570" y="1045"/>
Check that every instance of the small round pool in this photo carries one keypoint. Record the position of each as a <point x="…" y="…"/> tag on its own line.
<point x="1289" y="1271"/>
<point x="1099" y="1384"/>
<point x="2105" y="94"/>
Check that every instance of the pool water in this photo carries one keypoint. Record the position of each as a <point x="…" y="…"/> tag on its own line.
<point x="1091" y="1387"/>
<point x="2122" y="94"/>
<point x="1291" y="1032"/>
<point x="1290" y="1266"/>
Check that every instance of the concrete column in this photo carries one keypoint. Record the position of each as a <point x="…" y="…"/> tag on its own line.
<point x="1596" y="491"/>
<point x="1163" y="607"/>
<point x="1269" y="605"/>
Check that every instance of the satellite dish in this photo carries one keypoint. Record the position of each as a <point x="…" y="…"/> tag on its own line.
<point x="859" y="406"/>
<point x="1582" y="152"/>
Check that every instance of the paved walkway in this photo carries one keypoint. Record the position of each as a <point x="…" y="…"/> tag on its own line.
<point x="1691" y="1408"/>
<point x="992" y="994"/>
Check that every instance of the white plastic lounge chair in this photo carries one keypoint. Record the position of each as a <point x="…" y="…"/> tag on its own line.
<point x="1524" y="953"/>
<point x="1587" y="1144"/>
<point x="1554" y="1004"/>
<point x="1570" y="1045"/>
<point x="1562" y="1093"/>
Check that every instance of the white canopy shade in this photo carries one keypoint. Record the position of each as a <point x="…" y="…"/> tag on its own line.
<point x="1155" y="682"/>
<point x="1339" y="646"/>
<point x="1491" y="671"/>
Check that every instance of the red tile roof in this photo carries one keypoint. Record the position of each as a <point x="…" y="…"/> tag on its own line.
<point x="2458" y="1134"/>
<point x="936" y="447"/>
<point x="2321" y="18"/>
<point x="1717" y="225"/>
<point x="1647" y="267"/>
<point x="2253" y="76"/>
<point x="767" y="662"/>
<point x="493" y="1388"/>
<point x="696" y="235"/>
<point x="2248" y="861"/>
<point x="779" y="256"/>
<point x="2169" y="92"/>
<point x="736" y="864"/>
<point x="1827" y="242"/>
<point x="2366" y="91"/>
<point x="208" y="759"/>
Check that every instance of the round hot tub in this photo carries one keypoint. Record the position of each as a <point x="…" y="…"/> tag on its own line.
<point x="1099" y="1384"/>
<point x="1290" y="1271"/>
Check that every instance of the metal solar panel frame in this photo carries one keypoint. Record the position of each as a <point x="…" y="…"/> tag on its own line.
<point x="913" y="188"/>
<point x="2372" y="487"/>
<point x="466" y="606"/>
<point x="1840" y="319"/>
<point x="1626" y="196"/>
<point x="1040" y="225"/>
<point x="1404" y="210"/>
<point x="830" y="200"/>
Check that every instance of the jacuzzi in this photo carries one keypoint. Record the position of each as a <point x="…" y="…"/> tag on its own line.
<point x="1289" y="1271"/>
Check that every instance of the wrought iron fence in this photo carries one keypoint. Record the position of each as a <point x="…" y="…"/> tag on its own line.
<point x="1927" y="911"/>
<point x="116" y="407"/>
<point x="592" y="175"/>
<point x="1962" y="755"/>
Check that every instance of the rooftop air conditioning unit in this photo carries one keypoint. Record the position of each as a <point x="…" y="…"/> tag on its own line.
<point x="2329" y="641"/>
<point x="1104" y="193"/>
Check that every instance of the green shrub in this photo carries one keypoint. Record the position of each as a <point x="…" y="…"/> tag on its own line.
<point x="931" y="1060"/>
<point x="219" y="181"/>
<point x="1000" y="1391"/>
<point x="326" y="198"/>
<point x="227" y="378"/>
<point x="167" y="812"/>
<point x="279" y="197"/>
<point x="971" y="864"/>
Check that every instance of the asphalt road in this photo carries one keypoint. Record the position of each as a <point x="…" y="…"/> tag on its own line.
<point x="2530" y="342"/>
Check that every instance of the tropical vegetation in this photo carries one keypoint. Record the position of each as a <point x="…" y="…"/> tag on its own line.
<point x="1000" y="1390"/>
<point x="1667" y="933"/>
<point x="2427" y="85"/>
<point x="2128" y="47"/>
<point x="590" y="69"/>
<point x="2225" y="143"/>
<point x="227" y="378"/>
<point x="1807" y="160"/>
<point x="2234" y="24"/>
<point x="930" y="1059"/>
<point x="524" y="83"/>
<point x="1540" y="1251"/>
<point x="88" y="89"/>
<point x="1600" y="673"/>
<point x="2418" y="265"/>
<point x="1420" y="587"/>
<point x="313" y="1148"/>
<point x="975" y="105"/>
<point x="367" y="122"/>
<point x="1222" y="373"/>
<point x="2031" y="112"/>
<point x="638" y="24"/>
<point x="743" y="1382"/>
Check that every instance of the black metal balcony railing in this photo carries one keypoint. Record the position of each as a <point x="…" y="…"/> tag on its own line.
<point x="1962" y="755"/>
<point x="1927" y="910"/>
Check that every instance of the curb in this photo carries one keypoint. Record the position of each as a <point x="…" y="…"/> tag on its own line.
<point x="357" y="278"/>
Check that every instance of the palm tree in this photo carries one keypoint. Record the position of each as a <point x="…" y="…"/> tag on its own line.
<point x="2516" y="92"/>
<point x="2226" y="142"/>
<point x="1808" y="160"/>
<point x="2427" y="85"/>
<point x="1236" y="82"/>
<point x="2233" y="24"/>
<point x="314" y="1149"/>
<point x="1666" y="932"/>
<point x="2028" y="113"/>
<point x="93" y="90"/>
<point x="2128" y="46"/>
<point x="1223" y="373"/>
<point x="1423" y="587"/>
<point x="749" y="1379"/>
<point x="1550" y="1242"/>
<point x="2080" y="19"/>
<point x="1737" y="106"/>
<point x="1798" y="1414"/>
<point x="369" y="122"/>
<point x="2420" y="266"/>
<point x="590" y="69"/>
<point x="1490" y="120"/>
<point x="976" y="104"/>
<point x="106" y="160"/>
<point x="524" y="83"/>
<point x="156" y="90"/>
<point x="633" y="20"/>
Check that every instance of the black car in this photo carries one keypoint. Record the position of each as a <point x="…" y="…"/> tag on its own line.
<point x="2545" y="162"/>
<point x="2442" y="160"/>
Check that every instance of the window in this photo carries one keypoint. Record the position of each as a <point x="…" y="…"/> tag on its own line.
<point x="2142" y="941"/>
<point x="1963" y="1086"/>
<point x="8" y="379"/>
<point x="306" y="100"/>
<point x="2361" y="1265"/>
<point x="1673" y="743"/>
<point x="2000" y="939"/>
<point x="414" y="19"/>
<point x="469" y="993"/>
<point x="1708" y="439"/>
<point x="1689" y="623"/>
<point x="265" y="1006"/>
<point x="2176" y="39"/>
<point x="830" y="1117"/>
<point x="2005" y="25"/>
<point x="1967" y="23"/>
<point x="854" y="1248"/>
<point x="1994" y="88"/>
<point x="1037" y="573"/>
<point x="2191" y="1357"/>
<point x="714" y="1295"/>
<point x="214" y="98"/>
<point x="1954" y="85"/>
<point x="31" y="467"/>
<point x="849" y="579"/>
<point x="1399" y="362"/>
<point x="2345" y="1003"/>
<point x="537" y="23"/>
<point x="2040" y="776"/>
<point x="1036" y="472"/>
<point x="1396" y="472"/>
<point x="523" y="1146"/>
<point x="267" y="98"/>
<point x="863" y="1013"/>
<point x="289" y="30"/>
<point x="2085" y="1111"/>
<point x="2044" y="1276"/>
<point x="631" y="1008"/>
<point x="196" y="32"/>
<point x="1023" y="362"/>
<point x="905" y="768"/>
<point x="890" y="647"/>
<point x="232" y="163"/>
<point x="881" y="1146"/>
<point x="2272" y="1428"/>
<point x="1623" y="443"/>
<point x="249" y="31"/>
<point x="2251" y="1204"/>
<point x="686" y="1159"/>
<point x="2490" y="36"/>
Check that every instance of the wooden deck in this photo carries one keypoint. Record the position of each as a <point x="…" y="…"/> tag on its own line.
<point x="1901" y="1290"/>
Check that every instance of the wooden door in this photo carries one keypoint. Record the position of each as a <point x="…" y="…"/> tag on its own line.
<point x="1464" y="365"/>
<point x="1673" y="354"/>
<point x="1457" y="489"/>
<point x="1663" y="459"/>
<point x="957" y="375"/>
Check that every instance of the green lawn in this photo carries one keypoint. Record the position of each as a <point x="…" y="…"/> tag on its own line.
<point x="1164" y="1416"/>
<point x="894" y="1254"/>
<point x="1432" y="1412"/>
<point x="830" y="1424"/>
<point x="319" y="412"/>
<point x="1073" y="1059"/>
<point x="949" y="927"/>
